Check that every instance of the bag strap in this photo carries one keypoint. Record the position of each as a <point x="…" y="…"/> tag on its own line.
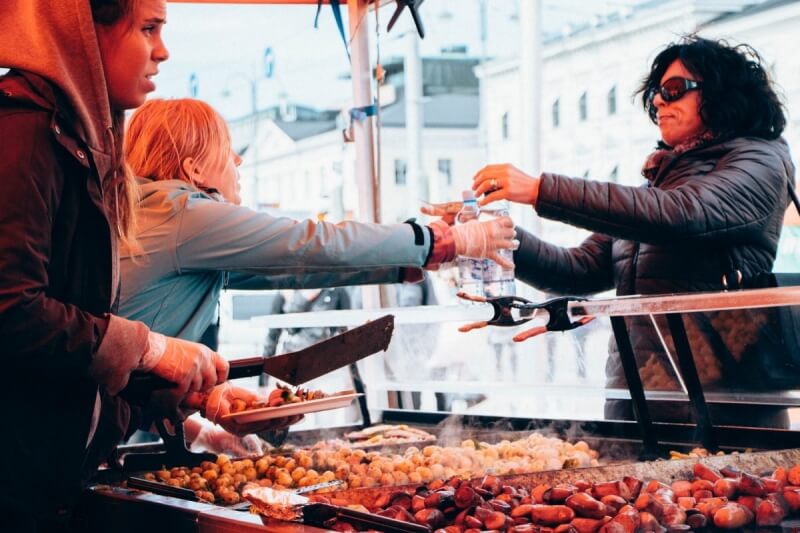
<point x="732" y="277"/>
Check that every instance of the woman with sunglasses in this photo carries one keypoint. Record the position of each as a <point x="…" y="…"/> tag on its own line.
<point x="714" y="198"/>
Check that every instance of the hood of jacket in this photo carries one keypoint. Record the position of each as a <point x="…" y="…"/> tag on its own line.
<point x="56" y="39"/>
<point x="162" y="200"/>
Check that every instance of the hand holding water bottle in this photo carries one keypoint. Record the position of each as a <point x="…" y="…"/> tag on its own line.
<point x="498" y="273"/>
<point x="487" y="239"/>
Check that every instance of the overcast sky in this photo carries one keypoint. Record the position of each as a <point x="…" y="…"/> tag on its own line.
<point x="223" y="45"/>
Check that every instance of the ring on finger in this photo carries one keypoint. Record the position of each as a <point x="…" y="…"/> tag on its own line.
<point x="493" y="184"/>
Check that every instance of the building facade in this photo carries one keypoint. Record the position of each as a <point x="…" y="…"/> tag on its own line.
<point x="301" y="165"/>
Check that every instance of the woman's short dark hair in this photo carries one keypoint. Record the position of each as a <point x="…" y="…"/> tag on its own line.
<point x="737" y="97"/>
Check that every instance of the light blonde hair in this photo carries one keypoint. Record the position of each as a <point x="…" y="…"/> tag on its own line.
<point x="161" y="134"/>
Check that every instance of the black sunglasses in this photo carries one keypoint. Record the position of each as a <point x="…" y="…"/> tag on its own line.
<point x="673" y="89"/>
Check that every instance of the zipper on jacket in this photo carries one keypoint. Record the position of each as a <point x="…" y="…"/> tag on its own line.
<point x="634" y="266"/>
<point x="635" y="258"/>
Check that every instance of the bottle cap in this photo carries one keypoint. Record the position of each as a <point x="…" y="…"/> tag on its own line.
<point x="468" y="195"/>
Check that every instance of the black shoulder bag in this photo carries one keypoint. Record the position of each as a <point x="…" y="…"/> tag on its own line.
<point x="770" y="356"/>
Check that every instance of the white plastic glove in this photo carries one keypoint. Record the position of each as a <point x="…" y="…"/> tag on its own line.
<point x="192" y="366"/>
<point x="483" y="239"/>
<point x="208" y="437"/>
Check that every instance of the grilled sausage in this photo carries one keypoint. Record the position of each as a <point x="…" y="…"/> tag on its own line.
<point x="431" y="517"/>
<point x="772" y="510"/>
<point x="706" y="472"/>
<point x="673" y="515"/>
<point x="686" y="502"/>
<point x="541" y="493"/>
<point x="751" y="502"/>
<point x="725" y="488"/>
<point x="732" y="516"/>
<point x="495" y="520"/>
<point x="551" y="515"/>
<point x="682" y="488"/>
<point x="648" y="522"/>
<point x="751" y="485"/>
<point x="500" y="505"/>
<point x="472" y="522"/>
<point x="560" y="493"/>
<point x="614" y="502"/>
<point x="664" y="496"/>
<point x="701" y="495"/>
<point x="655" y="486"/>
<point x="730" y="471"/>
<point x="417" y="503"/>
<point x="793" y="476"/>
<point x="709" y="506"/>
<point x="628" y="516"/>
<point x="773" y="485"/>
<point x="466" y="496"/>
<point x="702" y="484"/>
<point x="587" y="525"/>
<point x="587" y="507"/>
<point x="604" y="489"/>
<point x="634" y="486"/>
<point x="792" y="497"/>
<point x="647" y="502"/>
<point x="522" y="510"/>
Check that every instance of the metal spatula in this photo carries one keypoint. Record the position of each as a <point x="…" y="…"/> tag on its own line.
<point x="297" y="367"/>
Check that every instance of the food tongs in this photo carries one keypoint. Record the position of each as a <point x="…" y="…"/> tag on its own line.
<point x="294" y="368"/>
<point x="569" y="312"/>
<point x="510" y="311"/>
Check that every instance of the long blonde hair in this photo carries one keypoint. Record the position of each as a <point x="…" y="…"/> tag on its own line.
<point x="161" y="134"/>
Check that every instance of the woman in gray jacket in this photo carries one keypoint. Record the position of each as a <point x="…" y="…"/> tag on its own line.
<point x="713" y="201"/>
<point x="193" y="238"/>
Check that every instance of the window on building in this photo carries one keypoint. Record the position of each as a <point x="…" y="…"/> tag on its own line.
<point x="612" y="101"/>
<point x="504" y="125"/>
<point x="582" y="110"/>
<point x="613" y="176"/>
<point x="400" y="168"/>
<point x="556" y="113"/>
<point x="445" y="167"/>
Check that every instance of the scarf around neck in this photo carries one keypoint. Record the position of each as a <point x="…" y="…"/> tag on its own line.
<point x="653" y="162"/>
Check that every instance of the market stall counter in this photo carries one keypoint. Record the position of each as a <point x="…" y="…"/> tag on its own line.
<point x="472" y="448"/>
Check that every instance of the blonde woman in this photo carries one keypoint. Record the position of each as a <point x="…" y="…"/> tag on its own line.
<point x="194" y="238"/>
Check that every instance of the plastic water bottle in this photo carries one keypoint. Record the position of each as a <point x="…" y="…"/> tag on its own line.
<point x="470" y="270"/>
<point x="498" y="280"/>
